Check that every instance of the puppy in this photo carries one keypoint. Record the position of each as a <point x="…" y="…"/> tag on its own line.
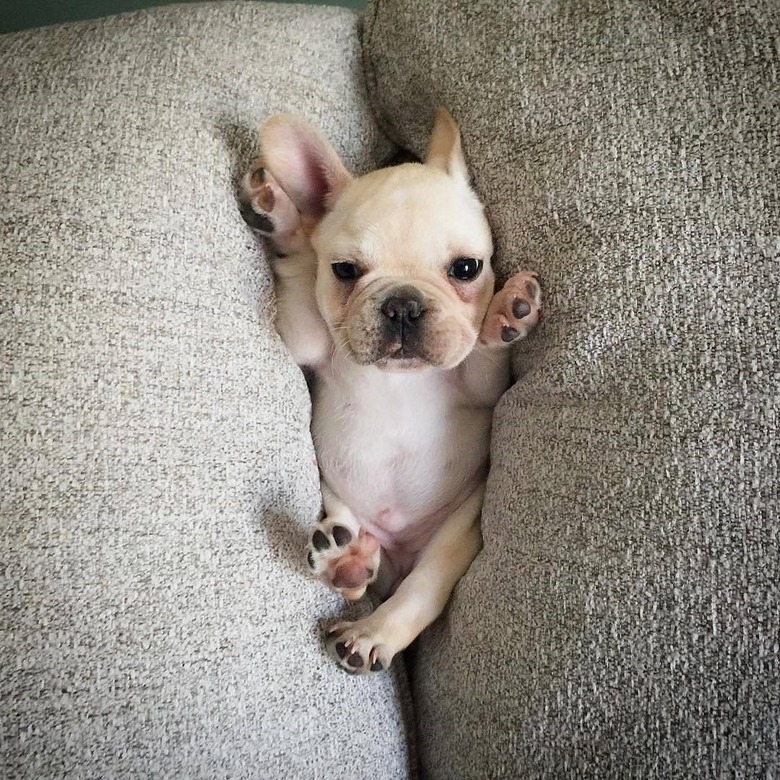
<point x="386" y="295"/>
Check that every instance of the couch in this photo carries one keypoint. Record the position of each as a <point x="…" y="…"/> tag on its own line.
<point x="158" y="477"/>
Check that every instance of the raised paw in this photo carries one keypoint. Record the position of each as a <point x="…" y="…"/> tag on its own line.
<point x="358" y="647"/>
<point x="513" y="312"/>
<point x="346" y="559"/>
<point x="267" y="208"/>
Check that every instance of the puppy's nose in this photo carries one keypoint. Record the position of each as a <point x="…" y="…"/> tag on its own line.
<point x="403" y="309"/>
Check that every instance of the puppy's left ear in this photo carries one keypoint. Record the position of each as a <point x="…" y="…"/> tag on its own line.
<point x="445" y="151"/>
<point x="306" y="166"/>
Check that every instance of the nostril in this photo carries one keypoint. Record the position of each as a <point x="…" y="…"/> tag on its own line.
<point x="401" y="310"/>
<point x="390" y="309"/>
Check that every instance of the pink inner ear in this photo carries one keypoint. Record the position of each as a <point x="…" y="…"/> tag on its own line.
<point x="305" y="169"/>
<point x="304" y="164"/>
<point x="318" y="188"/>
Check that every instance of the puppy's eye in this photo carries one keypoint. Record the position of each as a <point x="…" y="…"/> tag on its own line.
<point x="465" y="269"/>
<point x="347" y="272"/>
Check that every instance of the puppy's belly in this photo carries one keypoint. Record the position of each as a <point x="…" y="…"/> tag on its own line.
<point x="400" y="469"/>
<point x="404" y="523"/>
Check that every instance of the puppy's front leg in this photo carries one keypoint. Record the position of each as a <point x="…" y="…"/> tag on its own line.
<point x="512" y="314"/>
<point x="369" y="645"/>
<point x="266" y="208"/>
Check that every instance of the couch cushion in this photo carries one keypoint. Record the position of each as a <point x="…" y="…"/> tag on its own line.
<point x="622" y="619"/>
<point x="158" y="474"/>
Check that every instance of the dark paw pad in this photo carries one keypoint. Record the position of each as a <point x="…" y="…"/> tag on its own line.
<point x="521" y="308"/>
<point x="341" y="535"/>
<point x="256" y="221"/>
<point x="320" y="541"/>
<point x="355" y="660"/>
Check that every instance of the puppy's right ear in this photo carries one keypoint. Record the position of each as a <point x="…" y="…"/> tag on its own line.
<point x="305" y="165"/>
<point x="445" y="151"/>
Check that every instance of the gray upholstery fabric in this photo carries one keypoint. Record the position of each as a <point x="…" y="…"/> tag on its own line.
<point x="623" y="618"/>
<point x="157" y="470"/>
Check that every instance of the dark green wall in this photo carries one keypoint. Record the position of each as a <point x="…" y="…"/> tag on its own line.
<point x="21" y="14"/>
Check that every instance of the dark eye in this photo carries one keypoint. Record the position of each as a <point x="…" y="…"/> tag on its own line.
<point x="464" y="269"/>
<point x="347" y="272"/>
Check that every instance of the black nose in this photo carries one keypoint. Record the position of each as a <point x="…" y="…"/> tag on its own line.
<point x="403" y="309"/>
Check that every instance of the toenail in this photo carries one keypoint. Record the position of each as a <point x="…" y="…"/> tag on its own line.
<point x="310" y="559"/>
<point x="341" y="535"/>
<point x="355" y="660"/>
<point x="509" y="334"/>
<point x="319" y="540"/>
<point x="341" y="649"/>
<point x="521" y="308"/>
<point x="377" y="666"/>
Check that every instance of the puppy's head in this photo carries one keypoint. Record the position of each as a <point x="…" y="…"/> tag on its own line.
<point x="403" y="253"/>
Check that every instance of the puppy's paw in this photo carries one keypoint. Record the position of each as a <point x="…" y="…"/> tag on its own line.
<point x="346" y="559"/>
<point x="359" y="647"/>
<point x="513" y="312"/>
<point x="267" y="208"/>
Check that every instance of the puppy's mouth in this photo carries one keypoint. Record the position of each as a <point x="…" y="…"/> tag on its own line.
<point x="391" y="353"/>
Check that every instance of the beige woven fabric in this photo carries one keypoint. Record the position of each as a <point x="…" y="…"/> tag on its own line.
<point x="622" y="620"/>
<point x="157" y="470"/>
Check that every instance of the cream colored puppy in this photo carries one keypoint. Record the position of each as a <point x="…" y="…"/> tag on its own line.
<point x="385" y="293"/>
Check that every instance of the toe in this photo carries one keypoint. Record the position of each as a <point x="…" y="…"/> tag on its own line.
<point x="319" y="541"/>
<point x="521" y="308"/>
<point x="341" y="535"/>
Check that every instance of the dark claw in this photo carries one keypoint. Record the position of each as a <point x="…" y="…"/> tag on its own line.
<point x="509" y="334"/>
<point x="341" y="535"/>
<point x="521" y="308"/>
<point x="355" y="660"/>
<point x="319" y="540"/>
<point x="377" y="666"/>
<point x="341" y="649"/>
<point x="310" y="559"/>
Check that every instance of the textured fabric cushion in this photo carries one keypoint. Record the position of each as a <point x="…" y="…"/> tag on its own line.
<point x="622" y="620"/>
<point x="157" y="470"/>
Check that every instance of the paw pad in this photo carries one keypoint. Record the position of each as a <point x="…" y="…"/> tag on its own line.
<point x="514" y="310"/>
<point x="345" y="560"/>
<point x="266" y="208"/>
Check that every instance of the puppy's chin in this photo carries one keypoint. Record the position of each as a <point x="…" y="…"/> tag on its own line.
<point x="401" y="364"/>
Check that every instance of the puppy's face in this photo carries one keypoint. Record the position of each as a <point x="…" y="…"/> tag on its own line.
<point x="403" y="254"/>
<point x="404" y="275"/>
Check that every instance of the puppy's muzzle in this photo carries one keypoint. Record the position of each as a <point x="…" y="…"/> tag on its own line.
<point x="403" y="314"/>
